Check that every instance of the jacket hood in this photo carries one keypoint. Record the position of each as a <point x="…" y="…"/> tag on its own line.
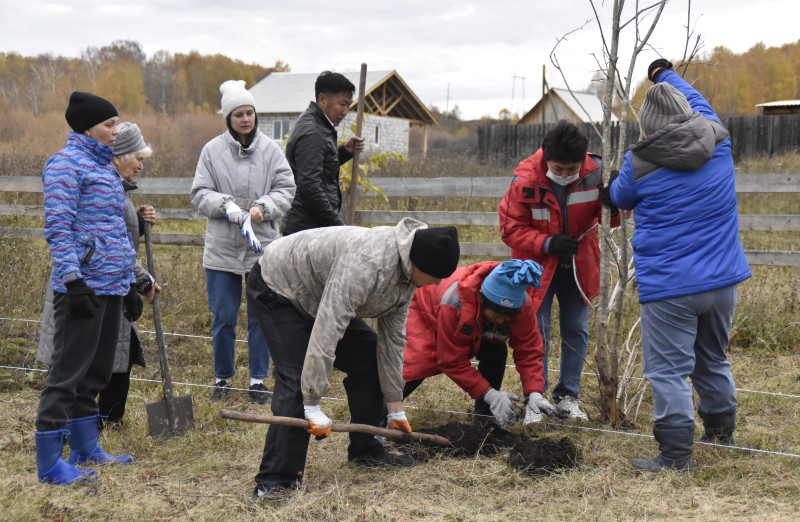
<point x="404" y="235"/>
<point x="682" y="146"/>
<point x="237" y="149"/>
<point x="128" y="185"/>
<point x="99" y="152"/>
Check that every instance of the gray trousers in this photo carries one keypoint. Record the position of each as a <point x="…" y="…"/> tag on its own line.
<point x="688" y="337"/>
<point x="83" y="357"/>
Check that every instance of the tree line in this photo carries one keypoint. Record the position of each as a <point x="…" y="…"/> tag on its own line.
<point x="122" y="73"/>
<point x="735" y="83"/>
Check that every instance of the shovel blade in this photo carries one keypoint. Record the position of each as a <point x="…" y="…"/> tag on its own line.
<point x="158" y="417"/>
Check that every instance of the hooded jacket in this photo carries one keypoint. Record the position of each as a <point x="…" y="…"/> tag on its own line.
<point x="680" y="184"/>
<point x="530" y="213"/>
<point x="336" y="274"/>
<point x="84" y="209"/>
<point x="315" y="159"/>
<point x="258" y="175"/>
<point x="445" y="328"/>
<point x="128" y="333"/>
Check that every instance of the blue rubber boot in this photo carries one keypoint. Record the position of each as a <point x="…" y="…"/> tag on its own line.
<point x="50" y="466"/>
<point x="83" y="445"/>
<point x="676" y="445"/>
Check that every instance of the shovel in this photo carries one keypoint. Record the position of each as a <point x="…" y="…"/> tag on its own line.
<point x="172" y="415"/>
<point x="397" y="435"/>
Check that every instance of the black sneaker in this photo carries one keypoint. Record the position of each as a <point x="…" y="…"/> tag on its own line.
<point x="259" y="394"/>
<point x="384" y="459"/>
<point x="272" y="493"/>
<point x="221" y="391"/>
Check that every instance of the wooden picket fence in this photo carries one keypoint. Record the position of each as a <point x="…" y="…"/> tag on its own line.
<point x="491" y="187"/>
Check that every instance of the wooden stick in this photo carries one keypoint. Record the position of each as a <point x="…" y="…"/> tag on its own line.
<point x="353" y="188"/>
<point x="396" y="435"/>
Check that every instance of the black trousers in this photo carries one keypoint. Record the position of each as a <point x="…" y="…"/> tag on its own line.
<point x="491" y="365"/>
<point x="83" y="357"/>
<point x="287" y="332"/>
<point x="112" y="399"/>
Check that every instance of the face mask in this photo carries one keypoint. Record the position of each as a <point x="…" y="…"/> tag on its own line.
<point x="560" y="180"/>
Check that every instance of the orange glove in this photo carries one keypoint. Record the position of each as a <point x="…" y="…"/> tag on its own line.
<point x="398" y="421"/>
<point x="320" y="424"/>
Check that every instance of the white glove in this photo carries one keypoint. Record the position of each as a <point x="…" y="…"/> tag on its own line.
<point x="537" y="406"/>
<point x="320" y="424"/>
<point x="247" y="232"/>
<point x="503" y="408"/>
<point x="233" y="212"/>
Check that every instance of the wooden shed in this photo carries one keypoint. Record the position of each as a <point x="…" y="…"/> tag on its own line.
<point x="560" y="104"/>
<point x="780" y="107"/>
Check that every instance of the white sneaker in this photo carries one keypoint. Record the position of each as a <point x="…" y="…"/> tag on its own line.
<point x="570" y="408"/>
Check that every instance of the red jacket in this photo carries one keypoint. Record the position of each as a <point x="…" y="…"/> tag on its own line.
<point x="530" y="213"/>
<point x="444" y="330"/>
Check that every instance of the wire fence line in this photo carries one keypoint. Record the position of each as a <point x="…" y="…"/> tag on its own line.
<point x="467" y="414"/>
<point x="474" y="363"/>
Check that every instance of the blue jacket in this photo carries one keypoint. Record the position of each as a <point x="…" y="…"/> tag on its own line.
<point x="84" y="218"/>
<point x="680" y="184"/>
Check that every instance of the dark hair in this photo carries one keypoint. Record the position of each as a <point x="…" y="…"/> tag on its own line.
<point x="250" y="135"/>
<point x="502" y="310"/>
<point x="330" y="84"/>
<point x="565" y="142"/>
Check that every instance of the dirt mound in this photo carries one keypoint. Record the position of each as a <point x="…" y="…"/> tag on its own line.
<point x="530" y="456"/>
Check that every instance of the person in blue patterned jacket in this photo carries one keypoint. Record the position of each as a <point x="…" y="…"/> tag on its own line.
<point x="679" y="181"/>
<point x="92" y="276"/>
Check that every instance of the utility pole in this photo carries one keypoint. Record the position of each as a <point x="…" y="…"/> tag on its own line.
<point x="447" y="105"/>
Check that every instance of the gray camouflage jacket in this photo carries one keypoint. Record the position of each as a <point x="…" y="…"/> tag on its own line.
<point x="336" y="274"/>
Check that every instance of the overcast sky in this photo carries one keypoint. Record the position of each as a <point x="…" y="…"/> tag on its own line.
<point x="474" y="49"/>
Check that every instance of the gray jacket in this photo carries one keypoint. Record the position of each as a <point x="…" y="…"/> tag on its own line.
<point x="256" y="176"/>
<point x="336" y="274"/>
<point x="128" y="333"/>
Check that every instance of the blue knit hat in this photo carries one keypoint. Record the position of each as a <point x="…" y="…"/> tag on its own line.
<point x="506" y="284"/>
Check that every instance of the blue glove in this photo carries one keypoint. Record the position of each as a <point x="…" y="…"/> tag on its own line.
<point x="247" y="232"/>
<point x="233" y="213"/>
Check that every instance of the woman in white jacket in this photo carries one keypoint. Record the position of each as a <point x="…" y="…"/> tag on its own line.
<point x="243" y="185"/>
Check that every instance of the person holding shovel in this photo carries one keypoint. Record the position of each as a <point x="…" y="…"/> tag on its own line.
<point x="93" y="281"/>
<point x="243" y="185"/>
<point x="474" y="313"/>
<point x="311" y="291"/>
<point x="129" y="151"/>
<point x="549" y="214"/>
<point x="315" y="156"/>
<point x="680" y="182"/>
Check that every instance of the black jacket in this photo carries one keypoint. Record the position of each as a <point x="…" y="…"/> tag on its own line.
<point x="315" y="158"/>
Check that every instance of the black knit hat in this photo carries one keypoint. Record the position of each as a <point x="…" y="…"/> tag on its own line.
<point x="435" y="251"/>
<point x="87" y="110"/>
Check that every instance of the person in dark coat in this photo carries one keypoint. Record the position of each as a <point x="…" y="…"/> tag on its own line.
<point x="680" y="183"/>
<point x="315" y="156"/>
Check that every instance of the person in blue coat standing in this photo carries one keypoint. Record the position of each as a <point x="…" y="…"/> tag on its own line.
<point x="679" y="181"/>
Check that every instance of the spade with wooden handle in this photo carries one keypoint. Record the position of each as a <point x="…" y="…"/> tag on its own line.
<point x="396" y="435"/>
<point x="172" y="415"/>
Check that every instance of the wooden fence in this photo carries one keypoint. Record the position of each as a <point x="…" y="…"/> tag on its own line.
<point x="750" y="136"/>
<point x="492" y="187"/>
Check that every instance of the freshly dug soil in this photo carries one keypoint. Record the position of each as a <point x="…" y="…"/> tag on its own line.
<point x="532" y="457"/>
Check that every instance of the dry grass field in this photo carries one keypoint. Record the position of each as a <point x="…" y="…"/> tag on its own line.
<point x="207" y="474"/>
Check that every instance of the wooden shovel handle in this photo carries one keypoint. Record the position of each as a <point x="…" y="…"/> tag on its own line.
<point x="396" y="435"/>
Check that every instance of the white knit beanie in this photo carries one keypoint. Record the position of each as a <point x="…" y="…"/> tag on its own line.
<point x="663" y="104"/>
<point x="235" y="95"/>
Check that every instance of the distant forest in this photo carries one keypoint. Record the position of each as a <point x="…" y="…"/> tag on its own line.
<point x="122" y="73"/>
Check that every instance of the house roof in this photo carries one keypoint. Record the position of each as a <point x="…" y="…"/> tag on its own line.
<point x="589" y="101"/>
<point x="386" y="95"/>
<point x="784" y="103"/>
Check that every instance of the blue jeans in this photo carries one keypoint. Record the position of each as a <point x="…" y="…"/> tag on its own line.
<point x="573" y="319"/>
<point x="224" y="299"/>
<point x="688" y="337"/>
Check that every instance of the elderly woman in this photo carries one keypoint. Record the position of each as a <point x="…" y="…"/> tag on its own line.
<point x="92" y="282"/>
<point x="243" y="185"/>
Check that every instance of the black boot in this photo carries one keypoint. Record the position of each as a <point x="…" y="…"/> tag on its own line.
<point x="719" y="427"/>
<point x="676" y="445"/>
